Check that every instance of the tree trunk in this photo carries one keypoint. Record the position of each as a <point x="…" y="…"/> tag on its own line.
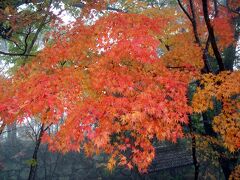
<point x="194" y="153"/>
<point x="227" y="165"/>
<point x="212" y="36"/>
<point x="33" y="168"/>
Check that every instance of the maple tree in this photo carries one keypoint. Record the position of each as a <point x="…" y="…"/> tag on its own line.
<point x="117" y="93"/>
<point x="106" y="108"/>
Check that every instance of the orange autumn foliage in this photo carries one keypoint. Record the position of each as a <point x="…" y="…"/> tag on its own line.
<point x="225" y="88"/>
<point x="114" y="92"/>
<point x="113" y="88"/>
<point x="7" y="103"/>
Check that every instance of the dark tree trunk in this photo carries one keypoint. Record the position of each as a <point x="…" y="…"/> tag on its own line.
<point x="227" y="165"/>
<point x="194" y="153"/>
<point x="33" y="168"/>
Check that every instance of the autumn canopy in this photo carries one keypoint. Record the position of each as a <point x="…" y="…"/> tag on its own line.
<point x="120" y="84"/>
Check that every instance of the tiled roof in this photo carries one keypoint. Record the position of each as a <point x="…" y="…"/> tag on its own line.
<point x="170" y="157"/>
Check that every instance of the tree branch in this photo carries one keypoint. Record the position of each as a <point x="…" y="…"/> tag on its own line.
<point x="236" y="11"/>
<point x="2" y="127"/>
<point x="212" y="36"/>
<point x="184" y="10"/>
<point x="29" y="49"/>
<point x="25" y="40"/>
<point x="16" y="44"/>
<point x="196" y="36"/>
<point x="15" y="54"/>
<point x="194" y="23"/>
<point x="215" y="8"/>
<point x="24" y="53"/>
